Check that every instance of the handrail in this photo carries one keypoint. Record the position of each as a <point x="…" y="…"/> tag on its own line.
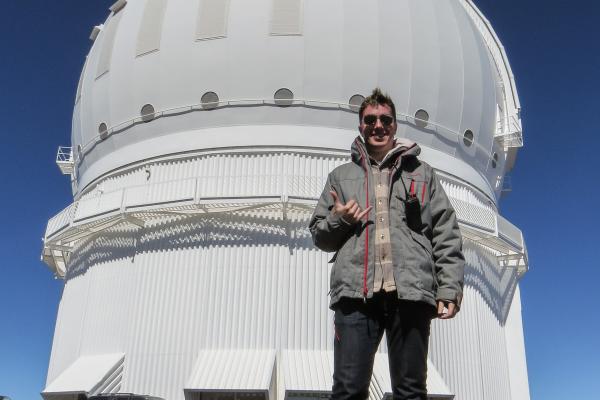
<point x="64" y="154"/>
<point x="68" y="226"/>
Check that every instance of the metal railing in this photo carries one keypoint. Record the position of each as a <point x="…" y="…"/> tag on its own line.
<point x="65" y="160"/>
<point x="193" y="197"/>
<point x="430" y="125"/>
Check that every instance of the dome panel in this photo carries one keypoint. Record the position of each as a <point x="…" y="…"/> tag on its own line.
<point x="427" y="55"/>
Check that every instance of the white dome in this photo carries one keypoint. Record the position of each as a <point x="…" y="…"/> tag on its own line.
<point x="189" y="268"/>
<point x="428" y="55"/>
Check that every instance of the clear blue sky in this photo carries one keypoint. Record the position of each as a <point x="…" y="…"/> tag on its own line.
<point x="554" y="50"/>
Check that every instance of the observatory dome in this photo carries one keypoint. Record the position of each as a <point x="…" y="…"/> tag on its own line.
<point x="203" y="133"/>
<point x="173" y="77"/>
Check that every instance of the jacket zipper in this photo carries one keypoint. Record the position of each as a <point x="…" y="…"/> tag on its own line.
<point x="366" y="260"/>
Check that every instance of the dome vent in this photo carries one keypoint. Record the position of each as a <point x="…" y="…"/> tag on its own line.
<point x="209" y="100"/>
<point x="147" y="113"/>
<point x="103" y="131"/>
<point x="468" y="138"/>
<point x="355" y="102"/>
<point x="421" y="118"/>
<point x="284" y="97"/>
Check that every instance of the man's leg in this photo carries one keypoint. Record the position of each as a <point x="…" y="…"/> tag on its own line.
<point x="358" y="331"/>
<point x="407" y="330"/>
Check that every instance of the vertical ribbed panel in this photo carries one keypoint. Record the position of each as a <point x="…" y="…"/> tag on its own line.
<point x="148" y="39"/>
<point x="470" y="350"/>
<point x="108" y="41"/>
<point x="470" y="207"/>
<point x="164" y="293"/>
<point x="212" y="19"/>
<point x="235" y="174"/>
<point x="69" y="324"/>
<point x="515" y="350"/>
<point x="106" y="327"/>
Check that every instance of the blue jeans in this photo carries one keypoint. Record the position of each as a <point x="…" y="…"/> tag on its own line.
<point x="359" y="327"/>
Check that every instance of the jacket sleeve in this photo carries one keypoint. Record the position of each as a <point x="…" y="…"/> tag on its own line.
<point x="447" y="246"/>
<point x="329" y="231"/>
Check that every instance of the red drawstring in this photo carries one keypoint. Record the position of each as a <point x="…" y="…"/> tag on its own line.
<point x="412" y="188"/>
<point x="423" y="194"/>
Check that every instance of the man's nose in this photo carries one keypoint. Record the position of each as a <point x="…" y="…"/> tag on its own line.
<point x="378" y="123"/>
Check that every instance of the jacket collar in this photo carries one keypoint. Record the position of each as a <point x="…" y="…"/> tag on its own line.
<point x="403" y="148"/>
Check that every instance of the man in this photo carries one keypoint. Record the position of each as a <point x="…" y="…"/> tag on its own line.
<point x="398" y="259"/>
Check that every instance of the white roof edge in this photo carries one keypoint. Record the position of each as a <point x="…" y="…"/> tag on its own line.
<point x="504" y="64"/>
<point x="85" y="374"/>
<point x="512" y="129"/>
<point x="231" y="370"/>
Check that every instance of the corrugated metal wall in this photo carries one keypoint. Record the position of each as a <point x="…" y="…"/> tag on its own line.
<point x="163" y="293"/>
<point x="470" y="351"/>
<point x="235" y="173"/>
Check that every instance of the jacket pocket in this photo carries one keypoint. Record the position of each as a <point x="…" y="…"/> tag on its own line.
<point x="423" y="242"/>
<point x="347" y="262"/>
<point x="423" y="263"/>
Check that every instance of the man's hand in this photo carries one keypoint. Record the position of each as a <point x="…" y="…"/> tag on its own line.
<point x="449" y="307"/>
<point x="349" y="212"/>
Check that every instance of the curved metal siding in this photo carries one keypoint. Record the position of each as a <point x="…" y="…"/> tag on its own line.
<point x="163" y="293"/>
<point x="235" y="173"/>
<point x="470" y="351"/>
<point x="67" y="332"/>
<point x="442" y="58"/>
<point x="515" y="348"/>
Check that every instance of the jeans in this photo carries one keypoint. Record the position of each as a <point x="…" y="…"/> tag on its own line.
<point x="359" y="327"/>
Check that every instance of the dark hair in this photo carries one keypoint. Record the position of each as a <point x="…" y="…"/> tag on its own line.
<point x="377" y="97"/>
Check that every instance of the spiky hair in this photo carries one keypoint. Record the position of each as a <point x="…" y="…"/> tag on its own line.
<point x="377" y="97"/>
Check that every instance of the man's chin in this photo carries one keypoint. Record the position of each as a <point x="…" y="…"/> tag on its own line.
<point x="378" y="143"/>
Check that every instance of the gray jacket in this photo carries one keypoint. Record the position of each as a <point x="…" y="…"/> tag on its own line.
<point x="426" y="245"/>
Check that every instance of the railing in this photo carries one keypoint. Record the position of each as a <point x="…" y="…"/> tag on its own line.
<point x="437" y="128"/>
<point x="193" y="196"/>
<point x="64" y="160"/>
<point x="64" y="154"/>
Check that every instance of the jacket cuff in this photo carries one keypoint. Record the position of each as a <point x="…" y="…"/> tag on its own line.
<point x="450" y="295"/>
<point x="336" y="221"/>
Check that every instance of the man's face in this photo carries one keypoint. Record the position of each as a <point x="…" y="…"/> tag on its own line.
<point x="376" y="128"/>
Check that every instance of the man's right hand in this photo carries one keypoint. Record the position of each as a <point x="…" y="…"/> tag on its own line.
<point x="349" y="212"/>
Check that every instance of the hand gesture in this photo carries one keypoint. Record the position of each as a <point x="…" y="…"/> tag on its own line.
<point x="446" y="309"/>
<point x="349" y="212"/>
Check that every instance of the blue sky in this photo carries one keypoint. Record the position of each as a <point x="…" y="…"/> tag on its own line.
<point x="555" y="55"/>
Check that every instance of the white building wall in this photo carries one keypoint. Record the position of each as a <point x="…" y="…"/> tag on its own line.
<point x="515" y="350"/>
<point x="163" y="293"/>
<point x="181" y="284"/>
<point x="470" y="351"/>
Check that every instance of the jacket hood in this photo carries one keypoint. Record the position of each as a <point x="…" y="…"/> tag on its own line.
<point x="404" y="147"/>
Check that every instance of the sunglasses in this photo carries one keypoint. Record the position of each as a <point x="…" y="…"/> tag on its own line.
<point x="386" y="120"/>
